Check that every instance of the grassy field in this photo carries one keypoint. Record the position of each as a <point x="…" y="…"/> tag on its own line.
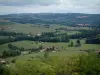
<point x="60" y="46"/>
<point x="35" y="29"/>
<point x="31" y="44"/>
<point x="65" y="51"/>
<point x="4" y="37"/>
<point x="27" y="28"/>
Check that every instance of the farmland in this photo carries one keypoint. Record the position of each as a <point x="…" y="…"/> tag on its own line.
<point x="36" y="29"/>
<point x="62" y="52"/>
<point x="49" y="49"/>
<point x="31" y="44"/>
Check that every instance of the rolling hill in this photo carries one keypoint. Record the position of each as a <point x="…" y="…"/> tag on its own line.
<point x="54" y="18"/>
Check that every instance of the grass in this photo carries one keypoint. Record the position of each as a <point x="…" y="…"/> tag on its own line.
<point x="65" y="51"/>
<point x="27" y="28"/>
<point x="3" y="47"/>
<point x="34" y="29"/>
<point x="4" y="37"/>
<point x="41" y="55"/>
<point x="61" y="45"/>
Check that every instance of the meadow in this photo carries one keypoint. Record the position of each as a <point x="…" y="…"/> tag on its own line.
<point x="31" y="44"/>
<point x="37" y="29"/>
<point x="60" y="46"/>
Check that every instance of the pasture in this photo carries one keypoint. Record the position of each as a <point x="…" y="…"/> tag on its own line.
<point x="65" y="51"/>
<point x="36" y="29"/>
<point x="60" y="46"/>
<point x="30" y="44"/>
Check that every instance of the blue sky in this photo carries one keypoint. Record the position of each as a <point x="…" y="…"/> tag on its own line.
<point x="49" y="6"/>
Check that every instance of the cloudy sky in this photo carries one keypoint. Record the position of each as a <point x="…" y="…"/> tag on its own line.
<point x="49" y="6"/>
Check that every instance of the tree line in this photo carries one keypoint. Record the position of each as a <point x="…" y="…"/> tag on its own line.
<point x="51" y="37"/>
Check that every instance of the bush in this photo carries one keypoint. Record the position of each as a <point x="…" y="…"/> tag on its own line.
<point x="56" y="65"/>
<point x="89" y="64"/>
<point x="11" y="53"/>
<point x="4" y="70"/>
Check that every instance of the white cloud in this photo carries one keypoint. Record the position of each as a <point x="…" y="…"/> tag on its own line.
<point x="27" y="2"/>
<point x="56" y="6"/>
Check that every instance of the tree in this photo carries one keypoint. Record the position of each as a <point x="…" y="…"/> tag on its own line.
<point x="88" y="65"/>
<point x="6" y="54"/>
<point x="9" y="45"/>
<point x="11" y="53"/>
<point x="72" y="44"/>
<point x="78" y="43"/>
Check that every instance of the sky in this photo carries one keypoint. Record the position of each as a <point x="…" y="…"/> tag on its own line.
<point x="49" y="6"/>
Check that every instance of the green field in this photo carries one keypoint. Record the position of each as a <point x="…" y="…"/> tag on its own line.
<point x="65" y="51"/>
<point x="36" y="29"/>
<point x="4" y="37"/>
<point x="31" y="44"/>
<point x="60" y="46"/>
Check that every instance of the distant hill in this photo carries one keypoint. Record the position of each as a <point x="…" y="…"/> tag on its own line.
<point x="54" y="18"/>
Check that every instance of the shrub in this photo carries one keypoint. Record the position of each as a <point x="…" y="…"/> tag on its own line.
<point x="80" y="65"/>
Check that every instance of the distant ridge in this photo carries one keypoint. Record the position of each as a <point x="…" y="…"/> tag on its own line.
<point x="53" y="18"/>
